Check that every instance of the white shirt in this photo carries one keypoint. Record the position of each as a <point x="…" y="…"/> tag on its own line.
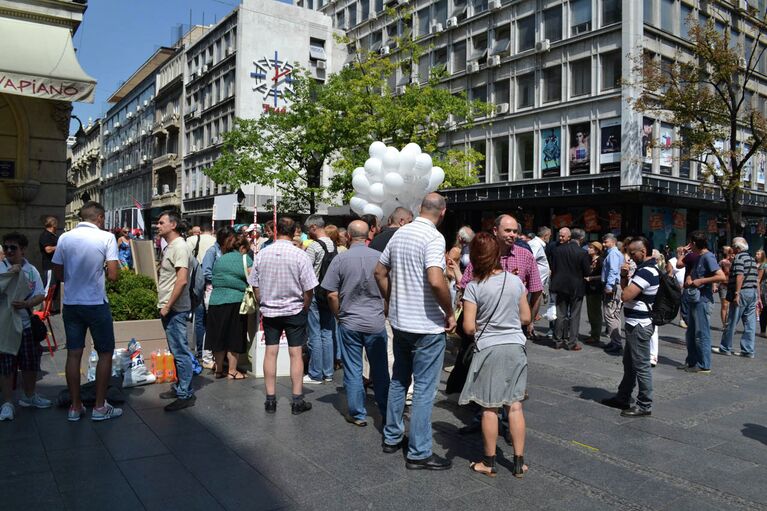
<point x="413" y="249"/>
<point x="206" y="241"/>
<point x="678" y="272"/>
<point x="35" y="284"/>
<point x="539" y="252"/>
<point x="83" y="251"/>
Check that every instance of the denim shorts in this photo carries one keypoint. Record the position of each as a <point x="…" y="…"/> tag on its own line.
<point x="78" y="319"/>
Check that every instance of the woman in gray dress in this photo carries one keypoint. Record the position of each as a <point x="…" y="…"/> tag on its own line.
<point x="495" y="310"/>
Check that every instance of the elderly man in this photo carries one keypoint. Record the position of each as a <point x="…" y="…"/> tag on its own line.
<point x="356" y="302"/>
<point x="516" y="260"/>
<point x="411" y="276"/>
<point x="611" y="302"/>
<point x="742" y="294"/>
<point x="569" y="265"/>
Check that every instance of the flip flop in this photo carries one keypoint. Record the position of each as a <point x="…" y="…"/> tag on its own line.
<point x="491" y="473"/>
<point x="236" y="376"/>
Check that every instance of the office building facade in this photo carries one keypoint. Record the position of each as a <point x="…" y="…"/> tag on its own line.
<point x="84" y="173"/>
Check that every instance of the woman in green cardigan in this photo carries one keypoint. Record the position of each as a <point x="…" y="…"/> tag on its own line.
<point x="226" y="330"/>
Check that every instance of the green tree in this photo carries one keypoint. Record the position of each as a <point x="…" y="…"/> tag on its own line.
<point x="333" y="124"/>
<point x="708" y="91"/>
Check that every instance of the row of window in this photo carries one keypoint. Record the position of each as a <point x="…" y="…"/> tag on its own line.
<point x="197" y="184"/>
<point x="120" y="195"/>
<point x="216" y="91"/>
<point x="210" y="55"/>
<point x="209" y="133"/>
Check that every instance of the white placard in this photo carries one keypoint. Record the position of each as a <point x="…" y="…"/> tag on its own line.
<point x="224" y="207"/>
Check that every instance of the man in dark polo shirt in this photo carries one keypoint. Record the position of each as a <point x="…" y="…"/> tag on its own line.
<point x="356" y="302"/>
<point x="400" y="216"/>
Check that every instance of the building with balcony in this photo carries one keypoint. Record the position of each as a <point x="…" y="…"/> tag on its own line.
<point x="241" y="67"/>
<point x="40" y="78"/>
<point x="129" y="145"/>
<point x="564" y="145"/>
<point x="84" y="172"/>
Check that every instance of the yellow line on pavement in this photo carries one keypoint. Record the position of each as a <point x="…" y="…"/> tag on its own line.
<point x="584" y="445"/>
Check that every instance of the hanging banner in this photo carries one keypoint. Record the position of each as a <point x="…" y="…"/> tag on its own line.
<point x="647" y="128"/>
<point x="529" y="222"/>
<point x="610" y="146"/>
<point x="580" y="148"/>
<point x="656" y="222"/>
<point x="615" y="220"/>
<point x="760" y="167"/>
<point x="666" y="145"/>
<point x="680" y="219"/>
<point x="551" y="151"/>
<point x="711" y="226"/>
<point x="591" y="221"/>
<point x="559" y="221"/>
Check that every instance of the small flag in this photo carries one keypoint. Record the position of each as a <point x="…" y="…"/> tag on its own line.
<point x="139" y="216"/>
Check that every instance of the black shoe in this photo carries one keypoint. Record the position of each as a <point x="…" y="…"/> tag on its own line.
<point x="300" y="407"/>
<point x="613" y="349"/>
<point x="169" y="394"/>
<point x="270" y="406"/>
<point x="180" y="404"/>
<point x="433" y="462"/>
<point x="357" y="422"/>
<point x="388" y="448"/>
<point x="636" y="412"/>
<point x="614" y="402"/>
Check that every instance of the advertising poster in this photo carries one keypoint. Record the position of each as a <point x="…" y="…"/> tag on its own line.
<point x="719" y="146"/>
<point x="559" y="221"/>
<point x="760" y="163"/>
<point x="529" y="222"/>
<point x="615" y="221"/>
<point x="748" y="168"/>
<point x="551" y="150"/>
<point x="580" y="152"/>
<point x="665" y="143"/>
<point x="591" y="221"/>
<point x="610" y="144"/>
<point x="647" y="127"/>
<point x="665" y="226"/>
<point x="680" y="219"/>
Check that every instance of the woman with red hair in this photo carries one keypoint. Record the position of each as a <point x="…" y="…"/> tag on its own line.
<point x="495" y="310"/>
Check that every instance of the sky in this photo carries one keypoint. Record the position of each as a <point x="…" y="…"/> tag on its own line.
<point x="118" y="36"/>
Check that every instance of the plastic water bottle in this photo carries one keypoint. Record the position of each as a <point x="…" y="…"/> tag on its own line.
<point x="93" y="360"/>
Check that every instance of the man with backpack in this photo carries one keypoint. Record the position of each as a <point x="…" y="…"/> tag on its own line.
<point x="199" y="244"/>
<point x="322" y="324"/>
<point x="638" y="297"/>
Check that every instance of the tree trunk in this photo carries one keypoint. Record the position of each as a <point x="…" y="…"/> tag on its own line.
<point x="734" y="215"/>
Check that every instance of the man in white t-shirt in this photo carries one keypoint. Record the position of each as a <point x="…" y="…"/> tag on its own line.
<point x="410" y="275"/>
<point x="27" y="356"/>
<point x="79" y="261"/>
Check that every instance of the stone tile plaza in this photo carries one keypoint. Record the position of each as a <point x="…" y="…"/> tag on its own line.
<point x="704" y="448"/>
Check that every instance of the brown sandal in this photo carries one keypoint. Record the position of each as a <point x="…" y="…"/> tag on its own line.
<point x="236" y="376"/>
<point x="487" y="462"/>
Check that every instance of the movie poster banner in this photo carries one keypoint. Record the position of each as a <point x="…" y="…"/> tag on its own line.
<point x="580" y="149"/>
<point x="551" y="152"/>
<point x="610" y="145"/>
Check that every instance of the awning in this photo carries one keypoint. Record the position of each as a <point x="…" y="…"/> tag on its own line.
<point x="39" y="61"/>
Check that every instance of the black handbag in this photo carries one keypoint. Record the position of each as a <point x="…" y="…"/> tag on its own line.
<point x="39" y="330"/>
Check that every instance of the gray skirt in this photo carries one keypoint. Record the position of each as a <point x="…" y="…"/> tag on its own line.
<point x="497" y="376"/>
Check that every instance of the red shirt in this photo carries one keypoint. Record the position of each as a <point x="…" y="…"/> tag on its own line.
<point x="517" y="261"/>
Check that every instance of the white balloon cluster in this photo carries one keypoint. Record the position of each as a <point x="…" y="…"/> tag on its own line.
<point x="392" y="179"/>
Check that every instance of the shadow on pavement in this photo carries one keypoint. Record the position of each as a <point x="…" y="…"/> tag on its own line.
<point x="755" y="432"/>
<point x="593" y="393"/>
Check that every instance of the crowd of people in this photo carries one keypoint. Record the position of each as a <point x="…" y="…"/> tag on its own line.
<point x="379" y="301"/>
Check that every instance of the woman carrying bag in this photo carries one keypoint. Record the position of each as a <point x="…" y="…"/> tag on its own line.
<point x="495" y="310"/>
<point x="227" y="329"/>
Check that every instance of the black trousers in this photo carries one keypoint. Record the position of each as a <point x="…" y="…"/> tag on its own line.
<point x="568" y="313"/>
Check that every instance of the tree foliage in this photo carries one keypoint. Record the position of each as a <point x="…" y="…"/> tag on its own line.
<point x="708" y="93"/>
<point x="333" y="124"/>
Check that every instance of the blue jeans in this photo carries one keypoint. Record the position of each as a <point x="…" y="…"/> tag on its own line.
<point x="352" y="343"/>
<point x="321" y="324"/>
<point x="745" y="311"/>
<point x="684" y="309"/>
<point x="420" y="355"/>
<point x="199" y="327"/>
<point x="636" y="366"/>
<point x="698" y="334"/>
<point x="175" y="330"/>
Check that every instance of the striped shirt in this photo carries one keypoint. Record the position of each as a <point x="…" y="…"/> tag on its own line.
<point x="282" y="273"/>
<point x="412" y="250"/>
<point x="647" y="277"/>
<point x="743" y="264"/>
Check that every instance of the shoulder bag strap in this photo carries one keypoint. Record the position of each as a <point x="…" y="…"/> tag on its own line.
<point x="245" y="265"/>
<point x="500" y="296"/>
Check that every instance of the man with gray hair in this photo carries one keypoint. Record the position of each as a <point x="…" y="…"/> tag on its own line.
<point x="356" y="302"/>
<point x="321" y="323"/>
<point x="611" y="302"/>
<point x="742" y="294"/>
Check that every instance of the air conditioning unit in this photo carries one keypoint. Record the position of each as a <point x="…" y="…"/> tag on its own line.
<point x="130" y="115"/>
<point x="544" y="45"/>
<point x="199" y="73"/>
<point x="502" y="108"/>
<point x="139" y="108"/>
<point x="196" y="114"/>
<point x="143" y="133"/>
<point x="146" y="102"/>
<point x="493" y="60"/>
<point x="321" y="64"/>
<point x="494" y="5"/>
<point x="193" y="149"/>
<point x="145" y="158"/>
<point x="117" y="124"/>
<point x="472" y="67"/>
<point x="128" y="167"/>
<point x="400" y="89"/>
<point x="373" y="15"/>
<point x="452" y="22"/>
<point x="214" y="140"/>
<point x="107" y="133"/>
<point x="229" y="51"/>
<point x="385" y="50"/>
<point x="130" y="141"/>
<point x="205" y="68"/>
<point x="436" y="28"/>
<point x="402" y="2"/>
<point x="742" y="62"/>
<point x="119" y="171"/>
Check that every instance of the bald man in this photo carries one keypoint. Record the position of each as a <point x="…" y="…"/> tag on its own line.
<point x="356" y="302"/>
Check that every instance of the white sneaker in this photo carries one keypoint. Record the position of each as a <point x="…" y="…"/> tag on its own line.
<point x="106" y="412"/>
<point x="6" y="411"/>
<point x="35" y="401"/>
<point x="310" y="381"/>
<point x="74" y="415"/>
<point x="328" y="380"/>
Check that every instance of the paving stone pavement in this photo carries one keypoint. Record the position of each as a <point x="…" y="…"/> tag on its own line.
<point x="705" y="447"/>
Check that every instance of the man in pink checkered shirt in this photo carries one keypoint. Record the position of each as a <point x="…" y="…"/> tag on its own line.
<point x="283" y="279"/>
<point x="516" y="260"/>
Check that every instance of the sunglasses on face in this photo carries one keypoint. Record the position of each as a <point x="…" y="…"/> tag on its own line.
<point x="10" y="248"/>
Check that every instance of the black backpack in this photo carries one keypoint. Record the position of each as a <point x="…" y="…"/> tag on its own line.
<point x="196" y="283"/>
<point x="667" y="301"/>
<point x="321" y="293"/>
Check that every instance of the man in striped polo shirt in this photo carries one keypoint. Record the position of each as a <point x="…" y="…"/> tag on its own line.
<point x="638" y="297"/>
<point x="410" y="275"/>
<point x="742" y="295"/>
